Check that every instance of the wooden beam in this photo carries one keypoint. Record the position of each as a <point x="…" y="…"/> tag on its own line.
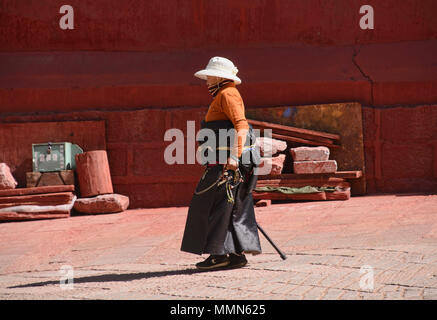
<point x="284" y="196"/>
<point x="339" y="174"/>
<point x="336" y="195"/>
<point x="303" y="141"/>
<point x="302" y="183"/>
<point x="301" y="131"/>
<point x="297" y="135"/>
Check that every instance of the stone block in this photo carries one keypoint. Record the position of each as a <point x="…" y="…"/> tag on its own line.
<point x="107" y="203"/>
<point x="7" y="180"/>
<point x="310" y="153"/>
<point x="269" y="146"/>
<point x="341" y="194"/>
<point x="273" y="165"/>
<point x="263" y="203"/>
<point x="328" y="166"/>
<point x="93" y="173"/>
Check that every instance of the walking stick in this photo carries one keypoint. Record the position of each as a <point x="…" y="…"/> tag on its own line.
<point x="251" y="186"/>
<point x="281" y="254"/>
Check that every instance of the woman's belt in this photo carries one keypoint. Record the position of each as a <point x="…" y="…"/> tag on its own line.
<point x="228" y="148"/>
<point x="222" y="148"/>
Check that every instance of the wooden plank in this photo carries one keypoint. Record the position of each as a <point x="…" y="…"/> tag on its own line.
<point x="57" y="178"/>
<point x="296" y="135"/>
<point x="296" y="181"/>
<point x="302" y="183"/>
<point x="303" y="141"/>
<point x="36" y="190"/>
<point x="336" y="195"/>
<point x="307" y="132"/>
<point x="339" y="174"/>
<point x="283" y="196"/>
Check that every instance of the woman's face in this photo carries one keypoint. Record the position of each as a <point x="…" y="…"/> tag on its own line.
<point x="210" y="80"/>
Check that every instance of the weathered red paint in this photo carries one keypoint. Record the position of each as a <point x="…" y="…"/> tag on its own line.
<point x="399" y="148"/>
<point x="156" y="25"/>
<point x="67" y="81"/>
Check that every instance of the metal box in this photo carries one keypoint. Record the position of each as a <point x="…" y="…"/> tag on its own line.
<point x="54" y="156"/>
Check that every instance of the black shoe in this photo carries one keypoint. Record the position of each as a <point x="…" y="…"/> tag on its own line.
<point x="213" y="262"/>
<point x="237" y="261"/>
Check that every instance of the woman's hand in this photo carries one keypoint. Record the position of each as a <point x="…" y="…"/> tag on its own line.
<point x="231" y="164"/>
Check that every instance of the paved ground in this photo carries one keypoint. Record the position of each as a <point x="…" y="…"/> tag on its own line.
<point x="333" y="249"/>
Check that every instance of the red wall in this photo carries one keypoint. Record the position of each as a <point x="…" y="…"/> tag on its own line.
<point x="131" y="63"/>
<point x="156" y="25"/>
<point x="400" y="145"/>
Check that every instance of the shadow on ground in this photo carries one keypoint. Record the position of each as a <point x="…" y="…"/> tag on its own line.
<point x="115" y="277"/>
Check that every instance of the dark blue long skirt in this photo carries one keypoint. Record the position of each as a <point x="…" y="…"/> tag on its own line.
<point x="216" y="226"/>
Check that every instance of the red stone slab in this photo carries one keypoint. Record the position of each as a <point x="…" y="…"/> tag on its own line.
<point x="36" y="190"/>
<point x="270" y="147"/>
<point x="20" y="216"/>
<point x="310" y="153"/>
<point x="42" y="199"/>
<point x="275" y="164"/>
<point x="107" y="203"/>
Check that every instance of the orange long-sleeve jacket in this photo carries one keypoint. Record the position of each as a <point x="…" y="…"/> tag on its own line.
<point x="228" y="105"/>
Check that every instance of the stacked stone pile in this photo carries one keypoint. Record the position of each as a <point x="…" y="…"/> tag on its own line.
<point x="314" y="176"/>
<point x="312" y="160"/>
<point x="272" y="160"/>
<point x="47" y="202"/>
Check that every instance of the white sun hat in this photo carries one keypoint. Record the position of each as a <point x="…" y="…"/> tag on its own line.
<point x="219" y="67"/>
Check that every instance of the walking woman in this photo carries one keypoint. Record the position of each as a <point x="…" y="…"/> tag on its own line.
<point x="221" y="218"/>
